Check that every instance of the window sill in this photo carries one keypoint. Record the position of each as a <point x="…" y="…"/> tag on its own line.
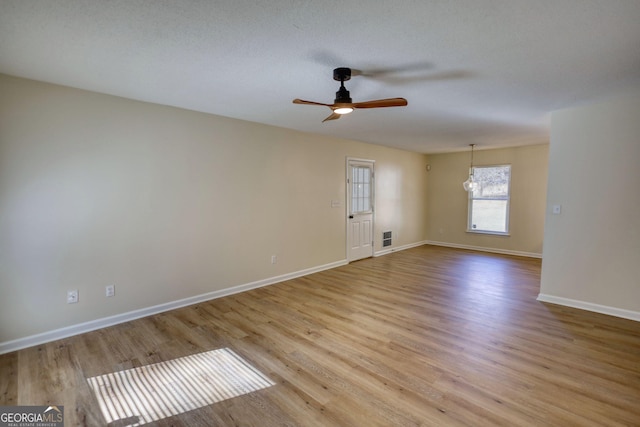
<point x="492" y="233"/>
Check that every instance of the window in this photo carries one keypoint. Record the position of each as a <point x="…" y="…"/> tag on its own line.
<point x="361" y="189"/>
<point x="489" y="203"/>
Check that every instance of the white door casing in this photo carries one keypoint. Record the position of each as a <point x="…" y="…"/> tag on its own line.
<point x="360" y="208"/>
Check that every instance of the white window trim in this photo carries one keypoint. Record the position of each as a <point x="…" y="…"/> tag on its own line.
<point x="493" y="233"/>
<point x="508" y="217"/>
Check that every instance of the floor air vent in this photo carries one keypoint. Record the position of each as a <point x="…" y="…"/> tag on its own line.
<point x="386" y="238"/>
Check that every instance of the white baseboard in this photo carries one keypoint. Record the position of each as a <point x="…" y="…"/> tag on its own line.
<point x="589" y="306"/>
<point x="399" y="248"/>
<point x="92" y="325"/>
<point x="483" y="249"/>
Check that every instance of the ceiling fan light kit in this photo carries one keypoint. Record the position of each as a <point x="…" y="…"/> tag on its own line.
<point x="343" y="104"/>
<point x="343" y="110"/>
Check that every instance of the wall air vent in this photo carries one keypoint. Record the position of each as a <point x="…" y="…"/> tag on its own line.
<point x="386" y="238"/>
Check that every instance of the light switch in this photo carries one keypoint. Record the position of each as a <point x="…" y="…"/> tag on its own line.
<point x="556" y="209"/>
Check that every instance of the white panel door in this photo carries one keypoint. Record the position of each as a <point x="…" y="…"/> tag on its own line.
<point x="360" y="186"/>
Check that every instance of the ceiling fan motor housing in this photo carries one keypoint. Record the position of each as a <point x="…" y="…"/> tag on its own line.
<point x="343" y="96"/>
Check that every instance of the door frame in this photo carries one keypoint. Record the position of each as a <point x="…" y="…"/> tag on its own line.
<point x="348" y="203"/>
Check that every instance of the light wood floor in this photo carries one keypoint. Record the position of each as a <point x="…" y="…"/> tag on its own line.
<point x="424" y="337"/>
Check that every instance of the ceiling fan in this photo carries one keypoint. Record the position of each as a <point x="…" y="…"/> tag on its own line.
<point x="343" y="103"/>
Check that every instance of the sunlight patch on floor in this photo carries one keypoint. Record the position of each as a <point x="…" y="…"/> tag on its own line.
<point x="149" y="393"/>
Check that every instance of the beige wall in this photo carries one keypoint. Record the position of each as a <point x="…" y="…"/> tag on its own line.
<point x="592" y="249"/>
<point x="167" y="204"/>
<point x="447" y="201"/>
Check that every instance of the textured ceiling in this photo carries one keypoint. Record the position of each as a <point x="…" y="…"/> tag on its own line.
<point x="474" y="71"/>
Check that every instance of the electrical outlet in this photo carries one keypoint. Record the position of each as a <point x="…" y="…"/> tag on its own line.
<point x="110" y="290"/>
<point x="72" y="296"/>
<point x="274" y="259"/>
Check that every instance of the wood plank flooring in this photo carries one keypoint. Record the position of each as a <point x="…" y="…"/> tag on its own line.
<point x="429" y="336"/>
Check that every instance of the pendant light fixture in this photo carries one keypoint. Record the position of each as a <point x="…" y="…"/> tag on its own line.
<point x="470" y="184"/>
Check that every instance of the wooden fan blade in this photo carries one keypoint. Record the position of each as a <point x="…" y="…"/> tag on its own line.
<point x="380" y="103"/>
<point x="333" y="116"/>
<point x="302" y="101"/>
